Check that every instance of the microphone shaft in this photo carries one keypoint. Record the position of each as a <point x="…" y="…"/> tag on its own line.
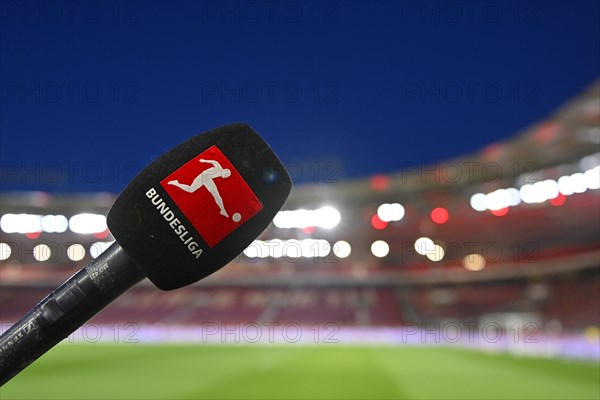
<point x="65" y="309"/>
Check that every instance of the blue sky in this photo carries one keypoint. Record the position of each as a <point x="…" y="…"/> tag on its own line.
<point x="91" y="92"/>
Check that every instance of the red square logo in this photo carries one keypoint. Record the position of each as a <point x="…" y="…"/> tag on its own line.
<point x="212" y="194"/>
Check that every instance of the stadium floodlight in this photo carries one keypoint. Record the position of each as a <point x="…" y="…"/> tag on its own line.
<point x="565" y="186"/>
<point x="87" y="223"/>
<point x="498" y="199"/>
<point x="182" y="218"/>
<point x="380" y="248"/>
<point x="390" y="212"/>
<point x="592" y="177"/>
<point x="21" y="223"/>
<point x="474" y="262"/>
<point x="41" y="252"/>
<point x="437" y="254"/>
<point x="5" y="251"/>
<point x="478" y="202"/>
<point x="54" y="223"/>
<point x="324" y="217"/>
<point x="98" y="248"/>
<point x="424" y="245"/>
<point x="342" y="249"/>
<point x="578" y="182"/>
<point x="76" y="252"/>
<point x="515" y="197"/>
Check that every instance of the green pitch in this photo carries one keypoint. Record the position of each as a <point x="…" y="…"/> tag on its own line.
<point x="135" y="371"/>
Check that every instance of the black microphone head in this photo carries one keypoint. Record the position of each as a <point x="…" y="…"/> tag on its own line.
<point x="197" y="207"/>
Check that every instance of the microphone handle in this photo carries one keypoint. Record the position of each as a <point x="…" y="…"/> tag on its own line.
<point x="65" y="309"/>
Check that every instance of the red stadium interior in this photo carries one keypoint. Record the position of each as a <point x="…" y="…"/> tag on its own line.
<point x="540" y="257"/>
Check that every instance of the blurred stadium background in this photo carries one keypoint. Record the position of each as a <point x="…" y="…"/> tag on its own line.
<point x="487" y="264"/>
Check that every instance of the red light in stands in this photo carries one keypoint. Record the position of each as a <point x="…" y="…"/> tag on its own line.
<point x="101" y="235"/>
<point x="309" y="229"/>
<point x="439" y="215"/>
<point x="380" y="182"/>
<point x="501" y="212"/>
<point x="33" y="235"/>
<point x="558" y="200"/>
<point x="492" y="151"/>
<point x="547" y="132"/>
<point x="377" y="223"/>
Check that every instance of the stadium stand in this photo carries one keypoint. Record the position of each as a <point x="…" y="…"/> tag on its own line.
<point x="521" y="236"/>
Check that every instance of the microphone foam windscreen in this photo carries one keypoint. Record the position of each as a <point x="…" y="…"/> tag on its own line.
<point x="197" y="207"/>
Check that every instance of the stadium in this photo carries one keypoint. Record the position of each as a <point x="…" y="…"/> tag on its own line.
<point x="476" y="277"/>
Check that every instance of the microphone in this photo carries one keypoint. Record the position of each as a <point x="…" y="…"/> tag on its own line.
<point x="185" y="216"/>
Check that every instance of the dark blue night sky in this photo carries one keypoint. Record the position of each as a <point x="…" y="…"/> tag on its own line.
<point x="91" y="92"/>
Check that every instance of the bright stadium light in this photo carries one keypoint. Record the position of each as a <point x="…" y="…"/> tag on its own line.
<point x="498" y="199"/>
<point x="579" y="182"/>
<point x="8" y="223"/>
<point x="380" y="249"/>
<point x="592" y="178"/>
<point x="253" y="249"/>
<point x="98" y="248"/>
<point x="515" y="197"/>
<point x="390" y="212"/>
<point x="327" y="217"/>
<point x="31" y="223"/>
<point x="397" y="211"/>
<point x="42" y="252"/>
<point x="383" y="212"/>
<point x="87" y="223"/>
<point x="549" y="189"/>
<point x="274" y="248"/>
<point x="54" y="223"/>
<point x="324" y="248"/>
<point x="530" y="195"/>
<point x="259" y="249"/>
<point x="437" y="254"/>
<point x="342" y="249"/>
<point x="424" y="245"/>
<point x="474" y="262"/>
<point x="308" y="246"/>
<point x="283" y="219"/>
<point x="565" y="186"/>
<point x="540" y="191"/>
<point x="76" y="252"/>
<point x="315" y="248"/>
<point x="5" y="251"/>
<point x="324" y="217"/>
<point x="21" y="223"/>
<point x="291" y="249"/>
<point x="478" y="202"/>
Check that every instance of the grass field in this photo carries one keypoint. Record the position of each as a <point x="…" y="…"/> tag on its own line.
<point x="135" y="371"/>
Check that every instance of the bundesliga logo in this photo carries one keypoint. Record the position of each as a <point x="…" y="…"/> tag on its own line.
<point x="212" y="195"/>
